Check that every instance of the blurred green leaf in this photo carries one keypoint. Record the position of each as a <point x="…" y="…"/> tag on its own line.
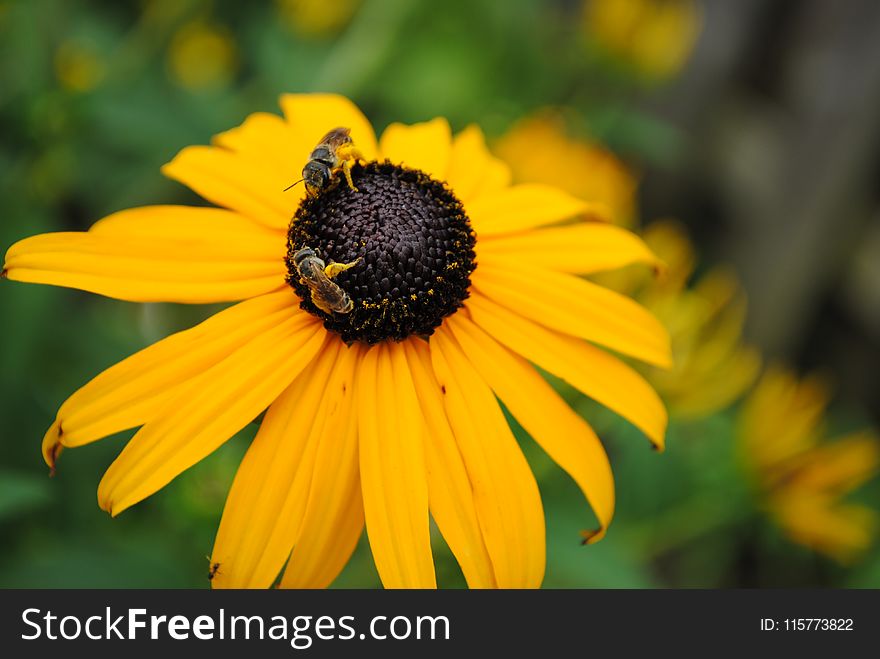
<point x="21" y="493"/>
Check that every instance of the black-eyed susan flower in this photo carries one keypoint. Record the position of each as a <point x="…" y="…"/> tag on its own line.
<point x="800" y="479"/>
<point x="387" y="414"/>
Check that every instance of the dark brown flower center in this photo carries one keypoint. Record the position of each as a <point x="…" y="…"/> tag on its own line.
<point x="413" y="247"/>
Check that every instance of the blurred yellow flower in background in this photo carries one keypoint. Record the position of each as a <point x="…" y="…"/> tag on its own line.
<point x="712" y="366"/>
<point x="202" y="56"/>
<point x="654" y="37"/>
<point x="317" y="18"/>
<point x="801" y="479"/>
<point x="78" y="66"/>
<point x="539" y="149"/>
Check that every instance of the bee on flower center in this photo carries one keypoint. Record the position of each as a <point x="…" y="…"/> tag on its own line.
<point x="335" y="152"/>
<point x="327" y="295"/>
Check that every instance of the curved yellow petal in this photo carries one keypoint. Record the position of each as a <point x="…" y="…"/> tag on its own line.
<point x="133" y="391"/>
<point x="265" y="507"/>
<point x="334" y="511"/>
<point x="843" y="531"/>
<point x="209" y="410"/>
<point x="839" y="466"/>
<point x="526" y="206"/>
<point x="269" y="139"/>
<point x="505" y="492"/>
<point x="157" y="253"/>
<point x="591" y="370"/>
<point x="473" y="170"/>
<point x="228" y="179"/>
<point x="718" y="389"/>
<point x="426" y="146"/>
<point x="545" y="416"/>
<point x="312" y="115"/>
<point x="392" y="463"/>
<point x="449" y="488"/>
<point x="577" y="307"/>
<point x="582" y="248"/>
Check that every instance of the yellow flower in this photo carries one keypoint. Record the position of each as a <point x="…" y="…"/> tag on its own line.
<point x="78" y="66"/>
<point x="391" y="413"/>
<point x="800" y="479"/>
<point x="712" y="367"/>
<point x="539" y="150"/>
<point x="655" y="37"/>
<point x="202" y="56"/>
<point x="317" y="18"/>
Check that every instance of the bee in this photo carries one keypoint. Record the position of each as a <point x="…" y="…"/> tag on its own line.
<point x="213" y="570"/>
<point x="334" y="152"/>
<point x="326" y="295"/>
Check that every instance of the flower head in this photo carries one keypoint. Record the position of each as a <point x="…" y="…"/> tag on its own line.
<point x="801" y="479"/>
<point x="383" y="413"/>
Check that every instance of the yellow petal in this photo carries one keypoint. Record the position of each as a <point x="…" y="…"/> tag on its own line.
<point x="505" y="492"/>
<point x="157" y="253"/>
<point x="781" y="418"/>
<point x="839" y="466"/>
<point x="582" y="248"/>
<point x="540" y="149"/>
<point x="472" y="169"/>
<point x="392" y="463"/>
<point x="526" y="206"/>
<point x="577" y="307"/>
<point x="496" y="178"/>
<point x="334" y="513"/>
<point x="820" y="522"/>
<point x="591" y="370"/>
<point x="133" y="391"/>
<point x="426" y="146"/>
<point x="449" y="487"/>
<point x="669" y="240"/>
<point x="266" y="504"/>
<point x="236" y="182"/>
<point x="545" y="416"/>
<point x="209" y="410"/>
<point x="267" y="138"/>
<point x="312" y="115"/>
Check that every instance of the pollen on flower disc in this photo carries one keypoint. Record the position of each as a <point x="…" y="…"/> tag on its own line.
<point x="414" y="241"/>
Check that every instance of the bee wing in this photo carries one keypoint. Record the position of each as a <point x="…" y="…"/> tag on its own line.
<point x="326" y="294"/>
<point x="336" y="137"/>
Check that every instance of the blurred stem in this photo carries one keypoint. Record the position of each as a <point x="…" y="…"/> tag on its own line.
<point x="364" y="47"/>
<point x="685" y="523"/>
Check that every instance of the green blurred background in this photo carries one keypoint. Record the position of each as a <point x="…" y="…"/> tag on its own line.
<point x="763" y="139"/>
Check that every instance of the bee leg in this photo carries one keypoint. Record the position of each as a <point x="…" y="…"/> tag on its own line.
<point x="333" y="269"/>
<point x="349" y="154"/>
<point x="346" y="169"/>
